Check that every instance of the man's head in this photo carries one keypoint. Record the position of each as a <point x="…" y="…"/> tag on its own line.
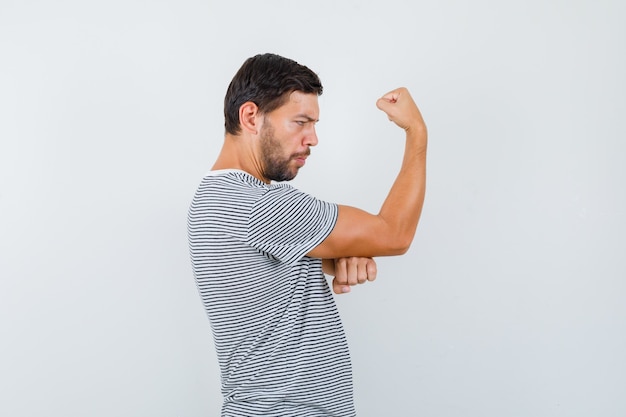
<point x="267" y="80"/>
<point x="286" y="136"/>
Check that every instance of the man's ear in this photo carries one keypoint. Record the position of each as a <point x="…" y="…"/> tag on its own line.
<point x="249" y="117"/>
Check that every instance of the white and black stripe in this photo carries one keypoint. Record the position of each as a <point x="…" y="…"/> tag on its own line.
<point x="279" y="339"/>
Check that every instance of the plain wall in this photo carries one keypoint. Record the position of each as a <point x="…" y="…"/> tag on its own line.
<point x="510" y="301"/>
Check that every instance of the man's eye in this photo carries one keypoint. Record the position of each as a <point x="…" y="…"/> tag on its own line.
<point x="300" y="122"/>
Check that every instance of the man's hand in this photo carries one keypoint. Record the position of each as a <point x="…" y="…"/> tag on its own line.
<point x="349" y="271"/>
<point x="402" y="110"/>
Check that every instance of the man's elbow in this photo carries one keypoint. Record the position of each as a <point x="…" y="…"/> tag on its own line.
<point x="397" y="237"/>
<point x="400" y="246"/>
<point x="404" y="249"/>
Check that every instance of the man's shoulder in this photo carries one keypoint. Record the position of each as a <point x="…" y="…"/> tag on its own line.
<point x="232" y="175"/>
<point x="233" y="186"/>
<point x="236" y="177"/>
<point x="231" y="181"/>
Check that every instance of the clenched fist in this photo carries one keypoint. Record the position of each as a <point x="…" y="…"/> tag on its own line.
<point x="402" y="110"/>
<point x="352" y="271"/>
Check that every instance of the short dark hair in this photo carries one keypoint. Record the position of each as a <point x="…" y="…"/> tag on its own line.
<point x="266" y="80"/>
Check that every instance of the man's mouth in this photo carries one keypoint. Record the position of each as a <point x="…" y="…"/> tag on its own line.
<point x="301" y="158"/>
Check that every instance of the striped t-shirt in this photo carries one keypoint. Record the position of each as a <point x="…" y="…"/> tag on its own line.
<point x="279" y="339"/>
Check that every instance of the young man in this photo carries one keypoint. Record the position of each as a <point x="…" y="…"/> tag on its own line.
<point x="260" y="247"/>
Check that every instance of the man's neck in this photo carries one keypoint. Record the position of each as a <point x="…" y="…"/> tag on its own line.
<point x="237" y="153"/>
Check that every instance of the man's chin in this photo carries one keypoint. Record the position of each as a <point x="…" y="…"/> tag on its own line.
<point x="291" y="176"/>
<point x="292" y="172"/>
<point x="285" y="177"/>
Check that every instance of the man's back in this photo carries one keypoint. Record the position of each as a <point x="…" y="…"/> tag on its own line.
<point x="278" y="335"/>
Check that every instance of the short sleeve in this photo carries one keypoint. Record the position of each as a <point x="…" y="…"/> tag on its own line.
<point x="286" y="223"/>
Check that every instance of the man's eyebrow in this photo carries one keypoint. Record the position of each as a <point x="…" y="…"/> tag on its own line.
<point x="307" y="117"/>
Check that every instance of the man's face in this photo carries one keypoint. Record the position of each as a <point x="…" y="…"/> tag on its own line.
<point x="287" y="134"/>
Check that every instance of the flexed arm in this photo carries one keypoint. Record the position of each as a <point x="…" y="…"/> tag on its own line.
<point x="391" y="231"/>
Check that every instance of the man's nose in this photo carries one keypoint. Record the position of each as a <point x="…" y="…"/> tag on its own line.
<point x="311" y="137"/>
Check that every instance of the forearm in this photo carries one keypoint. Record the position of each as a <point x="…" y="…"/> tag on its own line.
<point x="402" y="208"/>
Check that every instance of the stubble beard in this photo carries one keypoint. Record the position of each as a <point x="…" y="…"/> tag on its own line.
<point x="275" y="165"/>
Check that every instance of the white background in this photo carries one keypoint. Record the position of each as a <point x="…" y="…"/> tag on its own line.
<point x="511" y="301"/>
